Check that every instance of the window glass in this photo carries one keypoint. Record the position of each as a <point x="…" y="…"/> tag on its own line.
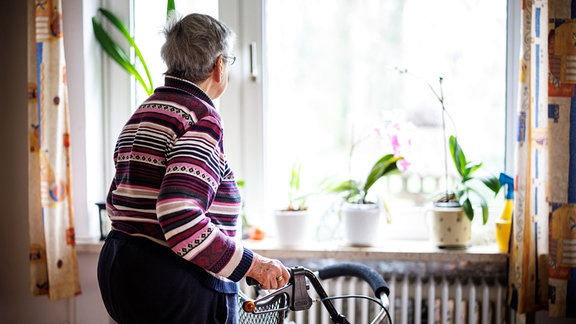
<point x="148" y="32"/>
<point x="334" y="82"/>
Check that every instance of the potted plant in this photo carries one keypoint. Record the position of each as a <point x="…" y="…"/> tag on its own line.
<point x="292" y="222"/>
<point x="360" y="213"/>
<point x="453" y="210"/>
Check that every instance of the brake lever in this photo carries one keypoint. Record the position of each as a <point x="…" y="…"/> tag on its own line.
<point x="300" y="299"/>
<point x="296" y="291"/>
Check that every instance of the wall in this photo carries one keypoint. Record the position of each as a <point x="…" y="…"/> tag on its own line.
<point x="17" y="305"/>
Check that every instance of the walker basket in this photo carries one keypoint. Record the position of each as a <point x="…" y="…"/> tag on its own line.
<point x="276" y="306"/>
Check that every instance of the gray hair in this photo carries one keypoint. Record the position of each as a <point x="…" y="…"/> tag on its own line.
<point x="193" y="44"/>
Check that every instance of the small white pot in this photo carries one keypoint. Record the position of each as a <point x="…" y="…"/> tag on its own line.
<point x="450" y="227"/>
<point x="293" y="227"/>
<point x="361" y="223"/>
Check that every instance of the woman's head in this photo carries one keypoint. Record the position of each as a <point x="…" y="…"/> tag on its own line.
<point x="193" y="45"/>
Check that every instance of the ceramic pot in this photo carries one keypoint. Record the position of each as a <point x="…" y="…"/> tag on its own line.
<point x="449" y="227"/>
<point x="293" y="227"/>
<point x="361" y="223"/>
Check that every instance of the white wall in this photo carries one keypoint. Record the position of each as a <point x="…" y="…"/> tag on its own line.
<point x="17" y="305"/>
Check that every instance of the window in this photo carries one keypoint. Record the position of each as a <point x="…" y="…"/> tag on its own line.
<point x="333" y="78"/>
<point x="123" y="92"/>
<point x="311" y="75"/>
<point x="110" y="95"/>
<point x="149" y="22"/>
<point x="331" y="75"/>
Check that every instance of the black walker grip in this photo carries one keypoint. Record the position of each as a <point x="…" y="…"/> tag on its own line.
<point x="251" y="281"/>
<point x="359" y="270"/>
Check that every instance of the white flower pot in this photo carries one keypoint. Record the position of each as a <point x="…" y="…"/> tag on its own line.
<point x="361" y="223"/>
<point x="450" y="227"/>
<point x="293" y="228"/>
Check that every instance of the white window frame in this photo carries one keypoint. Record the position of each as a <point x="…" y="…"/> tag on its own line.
<point x="99" y="96"/>
<point x="242" y="105"/>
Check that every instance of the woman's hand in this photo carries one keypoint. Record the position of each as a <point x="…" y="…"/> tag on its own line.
<point x="270" y="273"/>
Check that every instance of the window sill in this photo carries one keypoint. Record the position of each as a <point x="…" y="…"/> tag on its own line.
<point x="389" y="250"/>
<point x="418" y="258"/>
<point x="88" y="245"/>
<point x="410" y="257"/>
<point x="396" y="250"/>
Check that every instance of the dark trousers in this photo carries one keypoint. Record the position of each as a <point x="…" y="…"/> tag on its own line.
<point x="143" y="282"/>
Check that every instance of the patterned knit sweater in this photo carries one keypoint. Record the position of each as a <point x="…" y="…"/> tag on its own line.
<point x="173" y="184"/>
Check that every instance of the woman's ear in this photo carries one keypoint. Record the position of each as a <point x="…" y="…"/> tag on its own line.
<point x="218" y="72"/>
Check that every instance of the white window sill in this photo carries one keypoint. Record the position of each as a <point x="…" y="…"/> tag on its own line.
<point x="392" y="250"/>
<point x="409" y="257"/>
<point x="396" y="250"/>
<point x="418" y="258"/>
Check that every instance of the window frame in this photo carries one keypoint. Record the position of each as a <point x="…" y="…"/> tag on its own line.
<point x="245" y="100"/>
<point x="108" y="93"/>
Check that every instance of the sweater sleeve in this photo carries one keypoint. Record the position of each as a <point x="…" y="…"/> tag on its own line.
<point x="195" y="169"/>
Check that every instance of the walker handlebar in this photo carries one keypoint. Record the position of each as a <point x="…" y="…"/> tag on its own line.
<point x="359" y="270"/>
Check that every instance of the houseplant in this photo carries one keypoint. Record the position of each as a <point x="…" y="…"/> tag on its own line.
<point x="292" y="222"/>
<point x="453" y="210"/>
<point x="468" y="186"/>
<point x="360" y="212"/>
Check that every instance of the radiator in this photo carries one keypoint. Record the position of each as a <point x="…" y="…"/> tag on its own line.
<point x="434" y="298"/>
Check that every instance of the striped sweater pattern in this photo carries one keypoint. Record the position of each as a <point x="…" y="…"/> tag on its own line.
<point x="173" y="184"/>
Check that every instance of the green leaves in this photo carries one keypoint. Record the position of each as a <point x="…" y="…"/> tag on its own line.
<point x="466" y="190"/>
<point x="385" y="165"/>
<point x="350" y="187"/>
<point x="295" y="176"/>
<point x="170" y="8"/>
<point x="296" y="202"/>
<point x="465" y="168"/>
<point x="492" y="183"/>
<point x="355" y="191"/>
<point x="117" y="53"/>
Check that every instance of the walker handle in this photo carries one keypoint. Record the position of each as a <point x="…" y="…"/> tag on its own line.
<point x="352" y="269"/>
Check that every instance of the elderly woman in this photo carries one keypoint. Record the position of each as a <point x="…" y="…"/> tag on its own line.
<point x="171" y="256"/>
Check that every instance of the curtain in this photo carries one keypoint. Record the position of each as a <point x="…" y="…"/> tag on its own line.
<point x="53" y="260"/>
<point x="543" y="246"/>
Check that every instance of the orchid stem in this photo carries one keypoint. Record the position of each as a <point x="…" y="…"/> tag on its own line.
<point x="441" y="98"/>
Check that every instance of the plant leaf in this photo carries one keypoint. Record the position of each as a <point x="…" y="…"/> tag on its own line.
<point x="116" y="22"/>
<point x="171" y="6"/>
<point x="115" y="51"/>
<point x="493" y="183"/>
<point x="349" y="188"/>
<point x="458" y="157"/>
<point x="385" y="165"/>
<point x="347" y="185"/>
<point x="467" y="207"/>
<point x="110" y="46"/>
<point x="295" y="176"/>
<point x="471" y="168"/>
<point x="484" y="212"/>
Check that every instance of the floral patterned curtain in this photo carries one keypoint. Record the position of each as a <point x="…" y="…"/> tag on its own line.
<point x="53" y="260"/>
<point x="543" y="247"/>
